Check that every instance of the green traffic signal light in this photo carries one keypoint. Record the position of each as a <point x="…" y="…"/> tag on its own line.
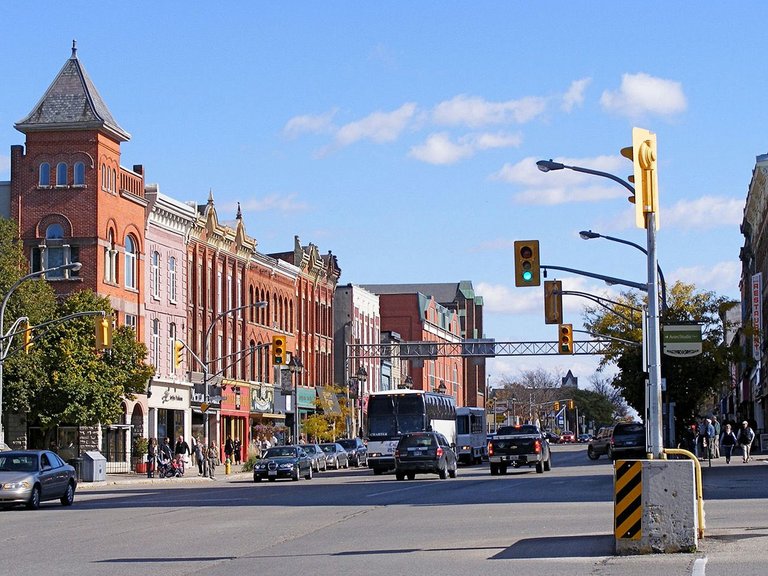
<point x="527" y="263"/>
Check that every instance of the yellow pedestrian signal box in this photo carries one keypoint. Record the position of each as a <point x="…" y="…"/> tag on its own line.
<point x="556" y="406"/>
<point x="553" y="302"/>
<point x="565" y="335"/>
<point x="103" y="332"/>
<point x="645" y="175"/>
<point x="527" y="263"/>
<point x="178" y="353"/>
<point x="570" y="404"/>
<point x="278" y="349"/>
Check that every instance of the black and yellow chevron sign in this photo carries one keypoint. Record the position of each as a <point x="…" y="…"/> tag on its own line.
<point x="628" y="508"/>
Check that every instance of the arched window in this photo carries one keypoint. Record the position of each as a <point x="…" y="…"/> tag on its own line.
<point x="54" y="250"/>
<point x="156" y="274"/>
<point x="172" y="279"/>
<point x="130" y="262"/>
<point x="79" y="174"/>
<point x="45" y="174"/>
<point x="110" y="259"/>
<point x="61" y="174"/>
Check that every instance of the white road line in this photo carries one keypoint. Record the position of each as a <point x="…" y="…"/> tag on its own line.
<point x="698" y="567"/>
<point x="395" y="491"/>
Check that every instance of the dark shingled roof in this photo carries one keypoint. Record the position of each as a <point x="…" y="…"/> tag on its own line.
<point x="72" y="103"/>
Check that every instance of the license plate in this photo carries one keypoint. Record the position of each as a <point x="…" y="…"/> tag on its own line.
<point x="272" y="473"/>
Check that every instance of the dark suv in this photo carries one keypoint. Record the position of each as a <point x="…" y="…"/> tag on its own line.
<point x="427" y="452"/>
<point x="357" y="451"/>
<point x="622" y="440"/>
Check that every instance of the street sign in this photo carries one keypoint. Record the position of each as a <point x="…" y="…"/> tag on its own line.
<point x="501" y="406"/>
<point x="203" y="407"/>
<point x="682" y="341"/>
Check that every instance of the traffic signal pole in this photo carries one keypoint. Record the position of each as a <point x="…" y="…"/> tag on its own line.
<point x="654" y="419"/>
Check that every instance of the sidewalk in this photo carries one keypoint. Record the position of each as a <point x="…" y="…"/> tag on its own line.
<point x="190" y="477"/>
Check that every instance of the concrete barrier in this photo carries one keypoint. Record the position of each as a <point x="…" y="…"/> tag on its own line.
<point x="655" y="507"/>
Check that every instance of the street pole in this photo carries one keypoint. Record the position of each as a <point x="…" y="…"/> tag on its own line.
<point x="74" y="267"/>
<point x="655" y="437"/>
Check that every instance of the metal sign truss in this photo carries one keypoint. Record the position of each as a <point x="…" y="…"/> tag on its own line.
<point x="470" y="349"/>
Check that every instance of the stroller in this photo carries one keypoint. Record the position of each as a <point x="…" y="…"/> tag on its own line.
<point x="170" y="469"/>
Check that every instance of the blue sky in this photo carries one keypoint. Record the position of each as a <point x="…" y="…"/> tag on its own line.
<point x="403" y="136"/>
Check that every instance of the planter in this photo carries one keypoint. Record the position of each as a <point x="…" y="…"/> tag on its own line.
<point x="141" y="467"/>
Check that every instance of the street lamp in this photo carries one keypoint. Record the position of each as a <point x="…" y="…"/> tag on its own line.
<point x="441" y="388"/>
<point x="295" y="366"/>
<point x="589" y="235"/>
<point x="206" y="361"/>
<point x="653" y="340"/>
<point x="408" y="383"/>
<point x="5" y="347"/>
<point x="362" y="377"/>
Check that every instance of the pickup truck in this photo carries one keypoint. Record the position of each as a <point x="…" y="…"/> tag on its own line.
<point x="522" y="445"/>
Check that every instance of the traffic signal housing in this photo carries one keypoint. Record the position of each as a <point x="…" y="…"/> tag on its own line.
<point x="178" y="353"/>
<point x="556" y="406"/>
<point x="278" y="349"/>
<point x="553" y="302"/>
<point x="645" y="175"/>
<point x="570" y="404"/>
<point x="565" y="335"/>
<point x="103" y="332"/>
<point x="27" y="338"/>
<point x="527" y="263"/>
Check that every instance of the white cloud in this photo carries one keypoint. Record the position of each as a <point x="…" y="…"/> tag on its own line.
<point x="722" y="277"/>
<point x="277" y="202"/>
<point x="309" y="124"/>
<point x="378" y="127"/>
<point x="642" y="93"/>
<point x="501" y="299"/>
<point x="474" y="111"/>
<point x="575" y="94"/>
<point x="703" y="213"/>
<point x="440" y="149"/>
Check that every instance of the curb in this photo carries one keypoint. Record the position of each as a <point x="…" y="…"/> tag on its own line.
<point x="139" y="480"/>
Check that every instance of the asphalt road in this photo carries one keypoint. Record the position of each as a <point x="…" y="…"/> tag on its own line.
<point x="351" y="522"/>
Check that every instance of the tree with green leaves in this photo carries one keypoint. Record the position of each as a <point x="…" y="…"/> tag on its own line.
<point x="691" y="382"/>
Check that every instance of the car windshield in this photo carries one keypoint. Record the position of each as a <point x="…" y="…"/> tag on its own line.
<point x="310" y="449"/>
<point x="348" y="444"/>
<point x="328" y="447"/>
<point x="18" y="463"/>
<point x="280" y="451"/>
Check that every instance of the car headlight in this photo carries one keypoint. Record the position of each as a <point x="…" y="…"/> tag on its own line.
<point x="16" y="485"/>
<point x="286" y="466"/>
<point x="260" y="466"/>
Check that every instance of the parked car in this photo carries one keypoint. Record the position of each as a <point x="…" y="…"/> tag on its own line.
<point x="583" y="438"/>
<point x="317" y="455"/>
<point x="283" y="462"/>
<point x="357" y="451"/>
<point x="567" y="437"/>
<point x="425" y="452"/>
<point x="623" y="440"/>
<point x="335" y="455"/>
<point x="551" y="437"/>
<point x="31" y="476"/>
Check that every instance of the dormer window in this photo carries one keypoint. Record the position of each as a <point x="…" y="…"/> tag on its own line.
<point x="45" y="174"/>
<point x="61" y="174"/>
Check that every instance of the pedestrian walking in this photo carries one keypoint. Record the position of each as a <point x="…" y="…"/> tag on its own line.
<point x="229" y="448"/>
<point x="237" y="447"/>
<point x="181" y="451"/>
<point x="716" y="438"/>
<point x="197" y="450"/>
<point x="746" y="436"/>
<point x="151" y="457"/>
<point x="727" y="442"/>
<point x="213" y="460"/>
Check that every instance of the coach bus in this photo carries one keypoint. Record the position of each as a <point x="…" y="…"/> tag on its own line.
<point x="471" y="440"/>
<point x="393" y="413"/>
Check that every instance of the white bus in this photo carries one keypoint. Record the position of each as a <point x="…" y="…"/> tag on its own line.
<point x="471" y="440"/>
<point x="396" y="412"/>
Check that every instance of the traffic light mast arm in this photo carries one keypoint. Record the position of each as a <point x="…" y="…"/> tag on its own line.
<point x="546" y="166"/>
<point x="601" y="301"/>
<point x="610" y="280"/>
<point x="596" y="335"/>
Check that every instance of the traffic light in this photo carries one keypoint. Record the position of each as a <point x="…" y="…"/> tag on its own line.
<point x="527" y="263"/>
<point x="644" y="161"/>
<point x="278" y="349"/>
<point x="570" y="404"/>
<point x="553" y="302"/>
<point x="565" y="334"/>
<point x="556" y="406"/>
<point x="178" y="353"/>
<point x="103" y="332"/>
<point x="27" y="338"/>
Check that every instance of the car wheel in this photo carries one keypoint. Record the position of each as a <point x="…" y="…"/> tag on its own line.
<point x="411" y="475"/>
<point x="539" y="467"/>
<point x="494" y="470"/>
<point x="309" y="474"/>
<point x="34" y="499"/>
<point x="257" y="478"/>
<point x="452" y="473"/>
<point x="69" y="495"/>
<point x="548" y="464"/>
<point x="443" y="472"/>
<point x="591" y="454"/>
<point x="399" y="475"/>
<point x="610" y="454"/>
<point x="296" y="475"/>
<point x="502" y="470"/>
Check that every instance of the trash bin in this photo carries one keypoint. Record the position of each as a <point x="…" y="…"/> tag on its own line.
<point x="77" y="464"/>
<point x="94" y="468"/>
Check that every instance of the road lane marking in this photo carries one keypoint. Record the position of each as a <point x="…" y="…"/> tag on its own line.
<point x="394" y="491"/>
<point x="698" y="567"/>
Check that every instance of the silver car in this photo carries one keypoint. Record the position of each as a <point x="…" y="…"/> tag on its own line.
<point x="31" y="476"/>
<point x="335" y="455"/>
<point x="317" y="455"/>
